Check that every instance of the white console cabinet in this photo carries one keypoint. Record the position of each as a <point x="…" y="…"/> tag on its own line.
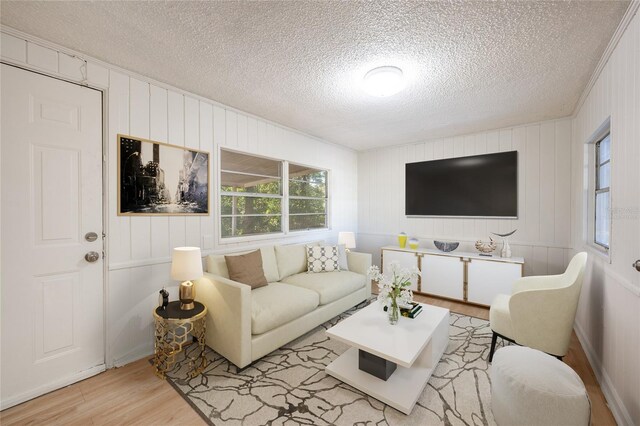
<point x="486" y="278"/>
<point x="442" y="276"/>
<point x="405" y="259"/>
<point x="467" y="277"/>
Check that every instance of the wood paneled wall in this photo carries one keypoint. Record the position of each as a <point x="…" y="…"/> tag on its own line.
<point x="139" y="248"/>
<point x="544" y="173"/>
<point x="608" y="319"/>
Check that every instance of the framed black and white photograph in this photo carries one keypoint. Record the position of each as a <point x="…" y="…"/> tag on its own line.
<point x="156" y="178"/>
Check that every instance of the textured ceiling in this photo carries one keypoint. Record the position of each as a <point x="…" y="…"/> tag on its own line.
<point x="471" y="66"/>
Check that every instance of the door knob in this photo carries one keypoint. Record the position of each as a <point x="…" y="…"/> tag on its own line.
<point x="636" y="265"/>
<point x="92" y="256"/>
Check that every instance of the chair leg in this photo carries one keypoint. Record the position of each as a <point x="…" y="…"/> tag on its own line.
<point x="494" y="339"/>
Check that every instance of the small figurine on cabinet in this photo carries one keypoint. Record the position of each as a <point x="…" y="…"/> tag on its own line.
<point x="165" y="298"/>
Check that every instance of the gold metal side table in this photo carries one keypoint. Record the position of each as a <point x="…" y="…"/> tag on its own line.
<point x="173" y="328"/>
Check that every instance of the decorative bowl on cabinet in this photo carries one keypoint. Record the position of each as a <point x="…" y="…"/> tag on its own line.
<point x="446" y="246"/>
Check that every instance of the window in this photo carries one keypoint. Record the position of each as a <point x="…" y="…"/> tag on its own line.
<point x="307" y="198"/>
<point x="254" y="192"/>
<point x="250" y="195"/>
<point x="602" y="201"/>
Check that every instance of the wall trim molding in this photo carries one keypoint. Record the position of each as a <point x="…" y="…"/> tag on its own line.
<point x="606" y="55"/>
<point x="112" y="67"/>
<point x="116" y="266"/>
<point x="618" y="409"/>
<point x="622" y="281"/>
<point x="467" y="240"/>
<point x="251" y="244"/>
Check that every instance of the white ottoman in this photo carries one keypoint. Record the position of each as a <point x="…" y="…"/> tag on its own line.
<point x="529" y="387"/>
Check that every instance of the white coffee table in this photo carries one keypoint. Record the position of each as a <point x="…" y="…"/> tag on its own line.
<point x="414" y="345"/>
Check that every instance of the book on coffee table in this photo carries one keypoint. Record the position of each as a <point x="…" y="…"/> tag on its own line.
<point x="411" y="310"/>
<point x="411" y="313"/>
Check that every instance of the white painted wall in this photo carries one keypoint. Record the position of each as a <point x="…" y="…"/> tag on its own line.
<point x="139" y="248"/>
<point x="543" y="236"/>
<point x="608" y="319"/>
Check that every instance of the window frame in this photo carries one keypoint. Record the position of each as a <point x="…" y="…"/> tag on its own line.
<point x="327" y="200"/>
<point x="598" y="164"/>
<point x="219" y="216"/>
<point x="589" y="190"/>
<point x="285" y="232"/>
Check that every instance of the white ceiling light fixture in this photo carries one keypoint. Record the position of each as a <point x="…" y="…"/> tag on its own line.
<point x="384" y="81"/>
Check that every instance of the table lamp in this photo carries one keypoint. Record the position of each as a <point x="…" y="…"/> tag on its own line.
<point x="186" y="265"/>
<point x="348" y="239"/>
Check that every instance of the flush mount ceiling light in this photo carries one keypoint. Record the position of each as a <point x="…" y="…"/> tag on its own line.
<point x="384" y="81"/>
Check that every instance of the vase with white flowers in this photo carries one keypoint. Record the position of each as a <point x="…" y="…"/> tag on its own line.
<point x="393" y="288"/>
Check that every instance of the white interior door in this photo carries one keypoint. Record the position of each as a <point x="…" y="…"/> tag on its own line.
<point x="51" y="183"/>
<point x="634" y="215"/>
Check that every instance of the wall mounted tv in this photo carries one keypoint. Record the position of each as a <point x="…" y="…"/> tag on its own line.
<point x="476" y="186"/>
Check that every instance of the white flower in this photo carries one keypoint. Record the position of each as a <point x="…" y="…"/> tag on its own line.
<point x="394" y="285"/>
<point x="406" y="296"/>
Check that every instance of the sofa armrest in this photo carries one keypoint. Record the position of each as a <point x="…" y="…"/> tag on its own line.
<point x="359" y="262"/>
<point x="543" y="318"/>
<point x="228" y="318"/>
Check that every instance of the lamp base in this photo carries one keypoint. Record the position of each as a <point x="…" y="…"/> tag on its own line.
<point x="187" y="293"/>
<point x="187" y="306"/>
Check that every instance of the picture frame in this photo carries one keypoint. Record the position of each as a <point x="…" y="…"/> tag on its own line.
<point x="160" y="179"/>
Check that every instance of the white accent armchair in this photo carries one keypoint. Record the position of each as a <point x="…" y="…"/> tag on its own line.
<point x="540" y="311"/>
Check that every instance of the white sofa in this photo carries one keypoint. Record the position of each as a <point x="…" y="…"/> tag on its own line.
<point x="243" y="325"/>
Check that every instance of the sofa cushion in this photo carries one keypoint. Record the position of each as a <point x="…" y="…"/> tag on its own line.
<point x="330" y="286"/>
<point x="291" y="259"/>
<point x="217" y="265"/>
<point x="247" y="269"/>
<point x="277" y="304"/>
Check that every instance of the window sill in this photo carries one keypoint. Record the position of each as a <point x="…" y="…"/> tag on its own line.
<point x="308" y="231"/>
<point x="249" y="238"/>
<point x="266" y="237"/>
<point x="599" y="251"/>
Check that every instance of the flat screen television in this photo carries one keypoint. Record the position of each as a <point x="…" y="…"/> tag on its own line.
<point x="475" y="186"/>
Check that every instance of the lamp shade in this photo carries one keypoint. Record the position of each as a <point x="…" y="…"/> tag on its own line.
<point x="347" y="238"/>
<point x="186" y="263"/>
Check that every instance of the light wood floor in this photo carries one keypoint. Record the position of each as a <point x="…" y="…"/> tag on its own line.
<point x="134" y="395"/>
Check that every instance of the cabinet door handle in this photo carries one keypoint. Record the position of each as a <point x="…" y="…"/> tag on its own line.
<point x="636" y="265"/>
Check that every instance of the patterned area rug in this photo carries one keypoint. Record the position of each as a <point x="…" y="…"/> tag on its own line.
<point x="290" y="387"/>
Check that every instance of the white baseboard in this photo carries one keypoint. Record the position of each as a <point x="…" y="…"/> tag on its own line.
<point x="618" y="409"/>
<point x="26" y="396"/>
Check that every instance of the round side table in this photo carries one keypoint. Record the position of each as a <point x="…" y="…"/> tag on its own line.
<point x="173" y="326"/>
